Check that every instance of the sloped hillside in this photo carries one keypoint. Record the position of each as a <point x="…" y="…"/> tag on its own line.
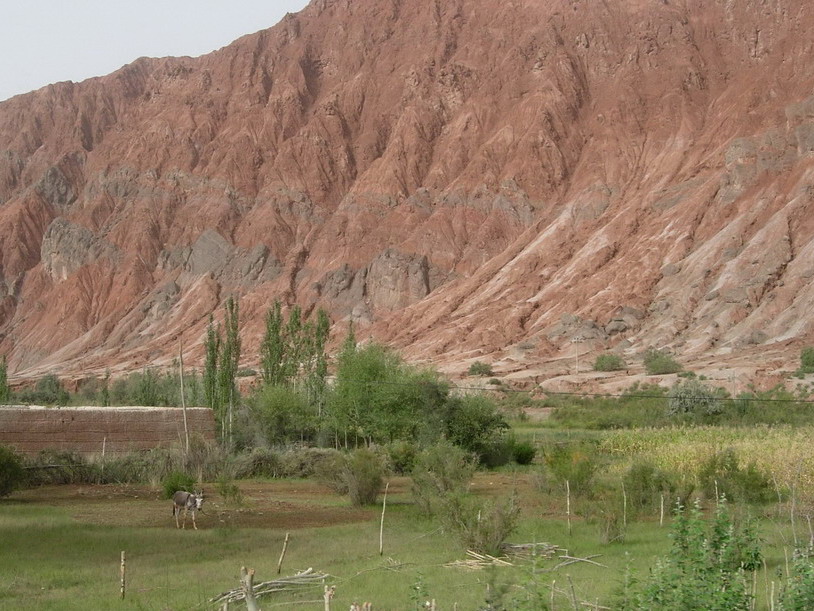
<point x="464" y="179"/>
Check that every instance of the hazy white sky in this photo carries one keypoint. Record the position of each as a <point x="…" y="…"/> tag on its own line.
<point x="47" y="41"/>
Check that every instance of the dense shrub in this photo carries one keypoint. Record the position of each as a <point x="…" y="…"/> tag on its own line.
<point x="363" y="474"/>
<point x="721" y="474"/>
<point x="798" y="592"/>
<point x="176" y="481"/>
<point x="479" y="368"/>
<point x="524" y="452"/>
<point x="402" y="455"/>
<point x="47" y="391"/>
<point x="609" y="362"/>
<point x="53" y="468"/>
<point x="12" y="474"/>
<point x="474" y="423"/>
<point x="440" y="470"/>
<point x="705" y="568"/>
<point x="807" y="360"/>
<point x="692" y="397"/>
<point x="575" y="464"/>
<point x="645" y="484"/>
<point x="657" y="362"/>
<point x="304" y="461"/>
<point x="481" y="527"/>
<point x="259" y="462"/>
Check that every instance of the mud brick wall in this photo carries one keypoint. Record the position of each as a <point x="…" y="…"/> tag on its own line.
<point x="29" y="429"/>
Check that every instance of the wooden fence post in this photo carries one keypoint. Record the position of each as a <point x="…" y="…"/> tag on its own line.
<point x="247" y="582"/>
<point x="122" y="576"/>
<point x="280" y="563"/>
<point x="381" y="526"/>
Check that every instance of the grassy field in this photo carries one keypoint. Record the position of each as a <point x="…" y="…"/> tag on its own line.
<point x="61" y="549"/>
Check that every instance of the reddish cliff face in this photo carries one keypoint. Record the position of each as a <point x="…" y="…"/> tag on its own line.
<point x="466" y="179"/>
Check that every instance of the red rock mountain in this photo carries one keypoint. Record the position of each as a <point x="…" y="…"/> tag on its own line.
<point x="466" y="179"/>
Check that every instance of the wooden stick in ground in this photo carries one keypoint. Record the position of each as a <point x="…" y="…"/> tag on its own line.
<point x="568" y="504"/>
<point x="247" y="583"/>
<point x="624" y="506"/>
<point x="381" y="526"/>
<point x="122" y="576"/>
<point x="329" y="594"/>
<point x="661" y="512"/>
<point x="183" y="402"/>
<point x="282" y="554"/>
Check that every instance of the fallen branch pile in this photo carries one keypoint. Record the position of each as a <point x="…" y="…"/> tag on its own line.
<point x="304" y="579"/>
<point x="478" y="561"/>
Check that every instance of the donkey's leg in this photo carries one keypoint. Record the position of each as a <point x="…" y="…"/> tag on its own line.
<point x="184" y="526"/>
<point x="175" y="512"/>
<point x="193" y="519"/>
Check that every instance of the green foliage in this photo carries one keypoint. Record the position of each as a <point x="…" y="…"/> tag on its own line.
<point x="474" y="423"/>
<point x="440" y="470"/>
<point x="721" y="474"/>
<point x="47" y="391"/>
<point x="609" y="362"/>
<point x="306" y="462"/>
<point x="176" y="481"/>
<point x="798" y="593"/>
<point x="377" y="398"/>
<point x="402" y="454"/>
<point x="574" y="463"/>
<point x="705" y="568"/>
<point x="229" y="490"/>
<point x="692" y="397"/>
<point x="645" y="484"/>
<point x="12" y="474"/>
<point x="259" y="462"/>
<point x="658" y="362"/>
<point x="638" y="406"/>
<point x="210" y="376"/>
<point x="524" y="452"/>
<point x="5" y="389"/>
<point x="807" y="360"/>
<point x="479" y="368"/>
<point x="364" y="475"/>
<point x="285" y="415"/>
<point x="480" y="526"/>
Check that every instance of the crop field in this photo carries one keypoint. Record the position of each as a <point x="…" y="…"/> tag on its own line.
<point x="62" y="544"/>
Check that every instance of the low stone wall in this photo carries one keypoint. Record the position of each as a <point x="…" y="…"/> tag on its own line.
<point x="86" y="430"/>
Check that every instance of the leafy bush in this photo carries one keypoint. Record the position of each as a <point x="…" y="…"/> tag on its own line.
<point x="479" y="368"/>
<point x="692" y="397"/>
<point x="474" y="423"/>
<point x="440" y="470"/>
<point x="176" y="481"/>
<point x="305" y="462"/>
<point x="259" y="462"/>
<point x="229" y="490"/>
<point x="575" y="464"/>
<point x="798" y="592"/>
<point x="55" y="468"/>
<point x="807" y="360"/>
<point x="704" y="569"/>
<point x="363" y="474"/>
<point x="645" y="484"/>
<point x="482" y="527"/>
<point x="12" y="474"/>
<point x="524" y="452"/>
<point x="402" y="455"/>
<point x="47" y="391"/>
<point x="721" y="474"/>
<point x="609" y="362"/>
<point x="657" y="362"/>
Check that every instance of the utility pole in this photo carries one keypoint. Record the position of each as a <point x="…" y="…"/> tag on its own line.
<point x="576" y="341"/>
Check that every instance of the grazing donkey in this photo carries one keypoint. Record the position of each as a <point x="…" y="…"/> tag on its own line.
<point x="188" y="502"/>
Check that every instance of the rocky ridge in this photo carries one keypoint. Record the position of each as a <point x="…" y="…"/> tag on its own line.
<point x="466" y="180"/>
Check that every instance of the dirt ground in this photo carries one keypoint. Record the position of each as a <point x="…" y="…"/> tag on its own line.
<point x="282" y="504"/>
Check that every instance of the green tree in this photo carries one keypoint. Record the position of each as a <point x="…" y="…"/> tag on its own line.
<point x="11" y="471"/>
<point x="210" y="376"/>
<point x="5" y="389"/>
<point x="272" y="348"/>
<point x="657" y="362"/>
<point x="228" y="361"/>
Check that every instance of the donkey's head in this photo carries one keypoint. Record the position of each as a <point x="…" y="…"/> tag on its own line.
<point x="199" y="499"/>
